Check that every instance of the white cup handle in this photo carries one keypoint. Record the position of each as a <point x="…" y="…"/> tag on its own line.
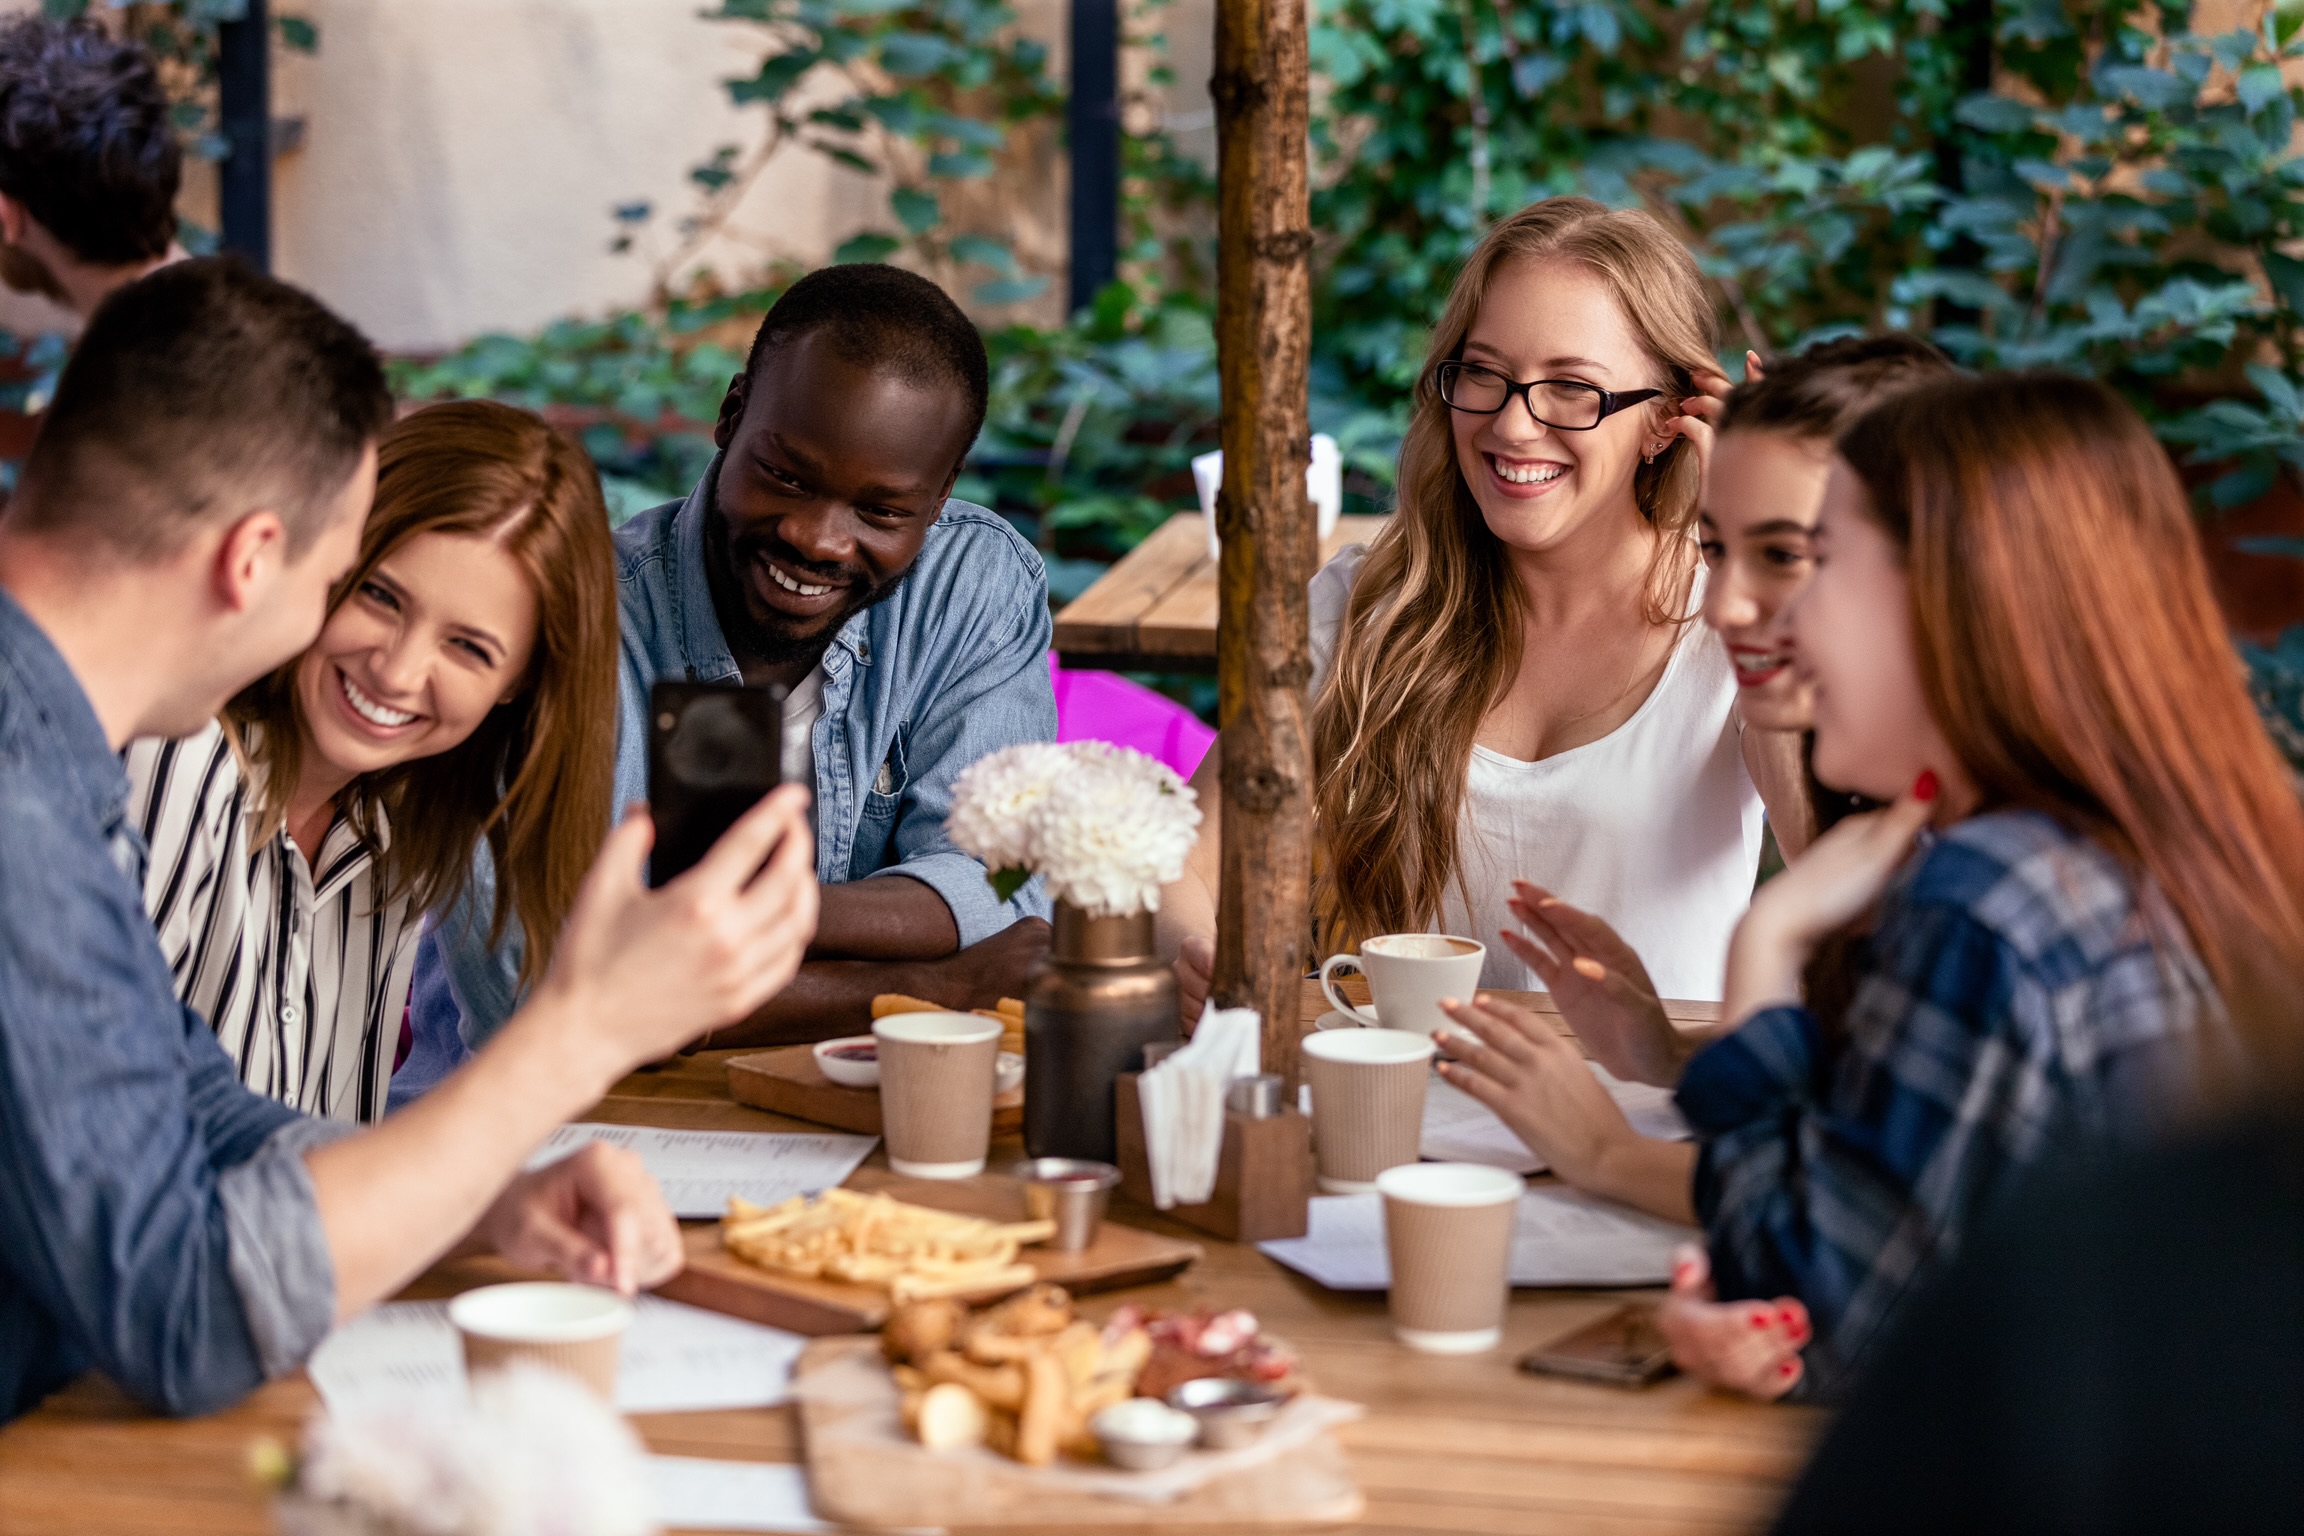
<point x="1335" y="998"/>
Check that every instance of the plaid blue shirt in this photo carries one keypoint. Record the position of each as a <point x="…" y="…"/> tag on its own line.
<point x="2018" y="993"/>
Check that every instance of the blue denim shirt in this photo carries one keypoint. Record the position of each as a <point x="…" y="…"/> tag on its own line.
<point x="156" y="1218"/>
<point x="950" y="667"/>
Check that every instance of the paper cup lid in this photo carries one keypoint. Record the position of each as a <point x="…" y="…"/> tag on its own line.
<point x="1369" y="1047"/>
<point x="1464" y="1184"/>
<point x="541" y="1312"/>
<point x="935" y="1029"/>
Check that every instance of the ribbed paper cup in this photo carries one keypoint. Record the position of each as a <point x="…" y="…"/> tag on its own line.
<point x="1367" y="1103"/>
<point x="1448" y="1230"/>
<point x="936" y="1072"/>
<point x="577" y="1329"/>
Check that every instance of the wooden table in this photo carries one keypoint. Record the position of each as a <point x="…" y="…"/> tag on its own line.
<point x="1155" y="611"/>
<point x="1448" y="1445"/>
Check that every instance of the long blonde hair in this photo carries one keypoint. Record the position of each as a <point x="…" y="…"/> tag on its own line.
<point x="1432" y="632"/>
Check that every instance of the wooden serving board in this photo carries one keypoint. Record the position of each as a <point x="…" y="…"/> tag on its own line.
<point x="864" y="1470"/>
<point x="718" y="1280"/>
<point x="787" y="1081"/>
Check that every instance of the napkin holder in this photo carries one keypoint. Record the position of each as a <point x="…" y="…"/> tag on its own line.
<point x="1263" y="1177"/>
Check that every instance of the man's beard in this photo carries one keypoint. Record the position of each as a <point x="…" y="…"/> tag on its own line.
<point x="775" y="641"/>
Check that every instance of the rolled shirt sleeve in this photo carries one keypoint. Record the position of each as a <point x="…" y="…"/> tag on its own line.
<point x="155" y="1221"/>
<point x="278" y="1249"/>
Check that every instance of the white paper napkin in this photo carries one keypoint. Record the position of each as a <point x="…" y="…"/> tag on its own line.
<point x="1183" y="1103"/>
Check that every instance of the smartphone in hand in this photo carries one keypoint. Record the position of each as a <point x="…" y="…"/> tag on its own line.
<point x="1624" y="1348"/>
<point x="714" y="749"/>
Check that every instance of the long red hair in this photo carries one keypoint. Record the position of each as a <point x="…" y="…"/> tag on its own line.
<point x="2075" y="659"/>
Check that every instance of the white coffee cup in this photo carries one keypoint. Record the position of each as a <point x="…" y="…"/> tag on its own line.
<point x="1408" y="974"/>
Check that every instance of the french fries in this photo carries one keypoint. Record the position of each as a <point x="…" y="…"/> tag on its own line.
<point x="1009" y="1011"/>
<point x="910" y="1251"/>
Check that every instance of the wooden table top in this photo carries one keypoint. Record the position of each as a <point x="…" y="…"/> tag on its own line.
<point x="1448" y="1445"/>
<point x="1155" y="611"/>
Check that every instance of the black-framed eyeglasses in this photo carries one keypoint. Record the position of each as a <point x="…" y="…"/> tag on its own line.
<point x="1566" y="405"/>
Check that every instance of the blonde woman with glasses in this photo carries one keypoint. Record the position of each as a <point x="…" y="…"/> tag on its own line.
<point x="1509" y="681"/>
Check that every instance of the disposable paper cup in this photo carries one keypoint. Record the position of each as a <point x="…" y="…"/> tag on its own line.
<point x="1448" y="1230"/>
<point x="1367" y="1103"/>
<point x="936" y="1086"/>
<point x="577" y="1329"/>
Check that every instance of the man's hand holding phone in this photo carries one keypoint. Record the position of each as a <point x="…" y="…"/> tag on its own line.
<point x="653" y="969"/>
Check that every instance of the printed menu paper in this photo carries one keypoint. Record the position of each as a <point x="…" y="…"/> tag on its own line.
<point x="1559" y="1237"/>
<point x="1458" y="1128"/>
<point x="675" y="1359"/>
<point x="699" y="1170"/>
<point x="694" y="1494"/>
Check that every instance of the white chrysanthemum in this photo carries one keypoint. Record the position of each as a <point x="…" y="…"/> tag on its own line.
<point x="992" y="802"/>
<point x="533" y="1454"/>
<point x="1113" y="829"/>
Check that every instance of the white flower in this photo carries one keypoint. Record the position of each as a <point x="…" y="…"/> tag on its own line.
<point x="993" y="800"/>
<point x="1112" y="830"/>
<point x="532" y="1454"/>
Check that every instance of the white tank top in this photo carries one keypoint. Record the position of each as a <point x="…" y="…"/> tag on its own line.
<point x="1655" y="827"/>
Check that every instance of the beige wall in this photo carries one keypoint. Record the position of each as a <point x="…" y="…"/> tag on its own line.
<point x="462" y="158"/>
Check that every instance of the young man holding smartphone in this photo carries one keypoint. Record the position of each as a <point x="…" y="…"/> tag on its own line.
<point x="822" y="553"/>
<point x="200" y="484"/>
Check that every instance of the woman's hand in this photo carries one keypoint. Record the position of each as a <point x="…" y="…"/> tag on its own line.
<point x="1521" y="1067"/>
<point x="1699" y="418"/>
<point x="1195" y="974"/>
<point x="1834" y="882"/>
<point x="1602" y="988"/>
<point x="595" y="1217"/>
<point x="649" y="970"/>
<point x="1751" y="1347"/>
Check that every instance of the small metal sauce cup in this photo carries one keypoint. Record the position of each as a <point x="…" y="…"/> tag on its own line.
<point x="1070" y="1192"/>
<point x="1147" y="1453"/>
<point x="1231" y="1413"/>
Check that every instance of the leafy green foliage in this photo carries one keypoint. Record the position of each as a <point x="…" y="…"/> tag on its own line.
<point x="182" y="35"/>
<point x="926" y="91"/>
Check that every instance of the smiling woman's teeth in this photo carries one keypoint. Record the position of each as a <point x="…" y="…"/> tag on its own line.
<point x="368" y="709"/>
<point x="1527" y="474"/>
<point x="801" y="587"/>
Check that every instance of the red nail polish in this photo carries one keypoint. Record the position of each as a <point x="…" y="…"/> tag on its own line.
<point x="1759" y="1319"/>
<point x="1788" y="1368"/>
<point x="1924" y="787"/>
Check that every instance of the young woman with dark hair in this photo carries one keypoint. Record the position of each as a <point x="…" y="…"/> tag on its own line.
<point x="2009" y="633"/>
<point x="1763" y="485"/>
<point x="463" y="691"/>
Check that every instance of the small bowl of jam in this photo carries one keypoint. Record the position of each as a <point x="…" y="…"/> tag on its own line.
<point x="853" y="1061"/>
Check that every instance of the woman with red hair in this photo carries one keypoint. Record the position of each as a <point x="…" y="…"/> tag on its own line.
<point x="2080" y="912"/>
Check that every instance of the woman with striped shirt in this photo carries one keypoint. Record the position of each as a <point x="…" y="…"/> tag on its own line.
<point x="464" y="688"/>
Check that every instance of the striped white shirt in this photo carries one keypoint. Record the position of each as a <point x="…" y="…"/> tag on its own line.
<point x="300" y="973"/>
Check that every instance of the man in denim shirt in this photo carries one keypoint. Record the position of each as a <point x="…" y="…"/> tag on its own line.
<point x="820" y="552"/>
<point x="199" y="486"/>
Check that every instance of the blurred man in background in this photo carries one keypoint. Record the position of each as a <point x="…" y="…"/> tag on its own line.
<point x="89" y="163"/>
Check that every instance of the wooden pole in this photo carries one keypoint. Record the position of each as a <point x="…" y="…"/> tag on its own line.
<point x="1263" y="650"/>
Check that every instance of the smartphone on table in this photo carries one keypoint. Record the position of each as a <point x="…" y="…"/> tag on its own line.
<point x="1625" y="1348"/>
<point x="714" y="749"/>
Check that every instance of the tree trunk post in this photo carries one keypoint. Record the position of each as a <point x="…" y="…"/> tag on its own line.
<point x="1263" y="646"/>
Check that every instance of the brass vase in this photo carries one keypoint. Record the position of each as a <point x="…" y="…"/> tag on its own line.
<point x="1091" y="1007"/>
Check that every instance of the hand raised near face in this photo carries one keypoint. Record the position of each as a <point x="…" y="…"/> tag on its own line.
<point x="1700" y="413"/>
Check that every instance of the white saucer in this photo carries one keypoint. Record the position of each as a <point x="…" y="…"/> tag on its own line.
<point x="1335" y="1020"/>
